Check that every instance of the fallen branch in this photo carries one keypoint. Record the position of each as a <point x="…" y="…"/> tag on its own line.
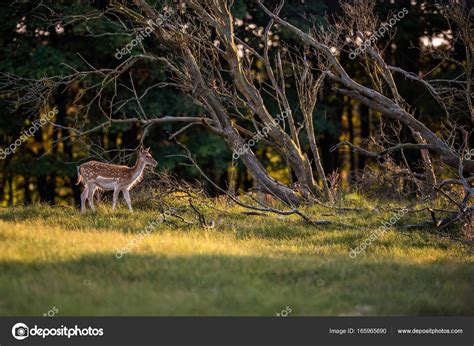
<point x="293" y="211"/>
<point x="201" y="218"/>
<point x="455" y="182"/>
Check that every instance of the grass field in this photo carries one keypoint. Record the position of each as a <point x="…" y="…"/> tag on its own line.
<point x="246" y="265"/>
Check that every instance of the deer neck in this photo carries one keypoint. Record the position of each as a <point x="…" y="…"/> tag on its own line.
<point x="138" y="169"/>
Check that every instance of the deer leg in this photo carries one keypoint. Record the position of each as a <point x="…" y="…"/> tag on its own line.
<point x="83" y="199"/>
<point x="116" y="193"/>
<point x="91" y="197"/>
<point x="126" y="195"/>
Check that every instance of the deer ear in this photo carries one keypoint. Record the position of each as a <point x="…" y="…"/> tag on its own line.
<point x="141" y="149"/>
<point x="148" y="150"/>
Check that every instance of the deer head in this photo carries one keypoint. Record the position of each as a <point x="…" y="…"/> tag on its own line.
<point x="145" y="156"/>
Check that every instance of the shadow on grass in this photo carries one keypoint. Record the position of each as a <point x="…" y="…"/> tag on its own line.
<point x="227" y="285"/>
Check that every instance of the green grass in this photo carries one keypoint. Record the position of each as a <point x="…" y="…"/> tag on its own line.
<point x="246" y="265"/>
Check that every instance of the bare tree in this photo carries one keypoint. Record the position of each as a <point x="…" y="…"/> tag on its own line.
<point x="388" y="101"/>
<point x="207" y="60"/>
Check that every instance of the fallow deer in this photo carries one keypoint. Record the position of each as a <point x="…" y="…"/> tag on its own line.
<point x="98" y="175"/>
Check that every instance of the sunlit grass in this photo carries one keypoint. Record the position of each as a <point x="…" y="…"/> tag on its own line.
<point x="246" y="265"/>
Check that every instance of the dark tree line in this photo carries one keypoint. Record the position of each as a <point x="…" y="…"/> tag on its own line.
<point x="213" y="75"/>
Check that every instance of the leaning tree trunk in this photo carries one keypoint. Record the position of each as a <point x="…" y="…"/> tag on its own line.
<point x="317" y="158"/>
<point x="298" y="161"/>
<point x="427" y="164"/>
<point x="229" y="133"/>
<point x="374" y="99"/>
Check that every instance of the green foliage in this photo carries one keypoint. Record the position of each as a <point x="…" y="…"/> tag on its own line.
<point x="239" y="9"/>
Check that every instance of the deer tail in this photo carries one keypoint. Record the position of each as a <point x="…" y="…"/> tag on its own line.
<point x="79" y="176"/>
